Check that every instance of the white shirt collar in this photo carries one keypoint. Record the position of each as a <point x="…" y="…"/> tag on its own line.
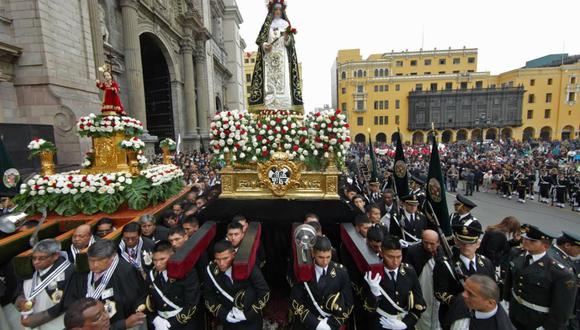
<point x="485" y="315"/>
<point x="388" y="272"/>
<point x="45" y="271"/>
<point x="318" y="270"/>
<point x="561" y="251"/>
<point x="536" y="257"/>
<point x="164" y="273"/>
<point x="466" y="261"/>
<point x="407" y="215"/>
<point x="463" y="216"/>
<point x="228" y="273"/>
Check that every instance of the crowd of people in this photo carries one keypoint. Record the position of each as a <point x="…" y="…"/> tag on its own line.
<point x="425" y="281"/>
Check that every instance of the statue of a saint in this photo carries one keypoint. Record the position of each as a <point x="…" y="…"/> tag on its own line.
<point x="111" y="99"/>
<point x="276" y="80"/>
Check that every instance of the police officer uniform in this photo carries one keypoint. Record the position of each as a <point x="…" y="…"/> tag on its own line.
<point x="176" y="300"/>
<point x="222" y="293"/>
<point x="400" y="298"/>
<point x="327" y="296"/>
<point x="457" y="218"/>
<point x="374" y="196"/>
<point x="545" y="187"/>
<point x="448" y="275"/>
<point x="461" y="318"/>
<point x="408" y="226"/>
<point x="541" y="290"/>
<point x="574" y="266"/>
<point x="521" y="186"/>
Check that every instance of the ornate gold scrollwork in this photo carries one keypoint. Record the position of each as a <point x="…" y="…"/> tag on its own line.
<point x="279" y="174"/>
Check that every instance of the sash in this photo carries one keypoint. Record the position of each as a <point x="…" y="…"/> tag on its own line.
<point x="74" y="250"/>
<point x="96" y="293"/>
<point x="315" y="303"/>
<point x="176" y="308"/>
<point x="222" y="291"/>
<point x="135" y="263"/>
<point x="37" y="287"/>
<point x="394" y="304"/>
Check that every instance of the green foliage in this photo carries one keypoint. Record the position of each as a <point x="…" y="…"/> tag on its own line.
<point x="136" y="194"/>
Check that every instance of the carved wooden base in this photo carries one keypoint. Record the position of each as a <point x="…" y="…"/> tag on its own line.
<point x="109" y="156"/>
<point x="279" y="178"/>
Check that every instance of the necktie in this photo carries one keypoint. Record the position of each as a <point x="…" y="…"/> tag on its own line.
<point x="529" y="260"/>
<point x="392" y="274"/>
<point x="132" y="253"/>
<point x="322" y="281"/>
<point x="471" y="267"/>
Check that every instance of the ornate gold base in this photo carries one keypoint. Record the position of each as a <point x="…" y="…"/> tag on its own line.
<point x="109" y="156"/>
<point x="279" y="178"/>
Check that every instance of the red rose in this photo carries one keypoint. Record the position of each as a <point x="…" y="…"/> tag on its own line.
<point x="332" y="118"/>
<point x="295" y="148"/>
<point x="265" y="153"/>
<point x="82" y="127"/>
<point x="70" y="185"/>
<point x="293" y="31"/>
<point x="348" y="139"/>
<point x="70" y="178"/>
<point x="259" y="138"/>
<point x="338" y="111"/>
<point x="278" y="120"/>
<point x="346" y="125"/>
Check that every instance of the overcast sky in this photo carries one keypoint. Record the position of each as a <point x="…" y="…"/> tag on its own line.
<point x="507" y="32"/>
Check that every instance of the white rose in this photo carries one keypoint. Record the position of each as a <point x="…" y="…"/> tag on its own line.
<point x="315" y="152"/>
<point x="254" y="158"/>
<point x="110" y="191"/>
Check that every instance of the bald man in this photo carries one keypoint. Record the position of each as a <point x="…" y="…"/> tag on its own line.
<point x="82" y="238"/>
<point x="422" y="257"/>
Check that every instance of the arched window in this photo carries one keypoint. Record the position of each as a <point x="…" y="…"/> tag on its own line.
<point x="343" y="75"/>
<point x="376" y="72"/>
<point x="386" y="72"/>
<point x="359" y="73"/>
<point x="365" y="73"/>
<point x="381" y="72"/>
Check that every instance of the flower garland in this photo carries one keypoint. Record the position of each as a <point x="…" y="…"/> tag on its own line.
<point x="169" y="143"/>
<point x="134" y="144"/>
<point x="71" y="193"/>
<point x="330" y="132"/>
<point x="229" y="134"/>
<point x="106" y="126"/>
<point x="89" y="159"/>
<point x="37" y="146"/>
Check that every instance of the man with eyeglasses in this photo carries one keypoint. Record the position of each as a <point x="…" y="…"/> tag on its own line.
<point x="136" y="250"/>
<point x="40" y="303"/>
<point x="104" y="227"/>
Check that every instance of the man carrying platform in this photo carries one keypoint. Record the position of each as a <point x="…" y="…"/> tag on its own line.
<point x="113" y="281"/>
<point x="325" y="302"/>
<point x="174" y="302"/>
<point x="135" y="249"/>
<point x="150" y="229"/>
<point x="237" y="304"/>
<point x="41" y="301"/>
<point x="395" y="299"/>
<point x="82" y="238"/>
<point x="463" y="207"/>
<point x="410" y="223"/>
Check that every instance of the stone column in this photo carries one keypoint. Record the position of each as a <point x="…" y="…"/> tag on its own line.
<point x="203" y="87"/>
<point x="189" y="87"/>
<point x="96" y="36"/>
<point x="133" y="65"/>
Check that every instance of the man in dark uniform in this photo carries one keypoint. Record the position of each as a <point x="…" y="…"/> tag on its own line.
<point x="136" y="250"/>
<point x="545" y="187"/>
<point x="521" y="186"/>
<point x="419" y="254"/>
<point x="561" y="186"/>
<point x="410" y="223"/>
<point x="449" y="274"/>
<point x="482" y="309"/>
<point x="395" y="300"/>
<point x="175" y="303"/>
<point x="325" y="302"/>
<point x="541" y="291"/>
<point x="388" y="207"/>
<point x="566" y="251"/>
<point x="237" y="304"/>
<point x="463" y="207"/>
<point x="374" y="195"/>
<point x="114" y="282"/>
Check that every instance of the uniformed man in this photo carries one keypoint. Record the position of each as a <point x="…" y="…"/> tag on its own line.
<point x="374" y="195"/>
<point x="566" y="251"/>
<point x="506" y="184"/>
<point x="388" y="207"/>
<point x="521" y="186"/>
<point x="113" y="281"/>
<point x="325" y="302"/>
<point x="40" y="303"/>
<point x="151" y="230"/>
<point x="136" y="250"/>
<point x="483" y="311"/>
<point x="561" y="186"/>
<point x="541" y="291"/>
<point x="395" y="299"/>
<point x="463" y="207"/>
<point x="236" y="234"/>
<point x="174" y="302"/>
<point x="236" y="304"/>
<point x="448" y="275"/>
<point x="545" y="187"/>
<point x="190" y="225"/>
<point x="82" y="238"/>
<point x="410" y="223"/>
<point x="362" y="223"/>
<point x="177" y="237"/>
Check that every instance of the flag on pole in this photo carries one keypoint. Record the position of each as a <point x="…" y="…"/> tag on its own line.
<point x="179" y="143"/>
<point x="400" y="169"/>
<point x="373" y="169"/>
<point x="436" y="189"/>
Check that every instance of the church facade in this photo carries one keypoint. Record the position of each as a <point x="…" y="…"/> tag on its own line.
<point x="177" y="62"/>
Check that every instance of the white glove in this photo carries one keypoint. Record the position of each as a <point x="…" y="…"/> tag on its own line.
<point x="161" y="324"/>
<point x="394" y="324"/>
<point x="374" y="283"/>
<point x="323" y="325"/>
<point x="231" y="318"/>
<point x="238" y="314"/>
<point x="404" y="244"/>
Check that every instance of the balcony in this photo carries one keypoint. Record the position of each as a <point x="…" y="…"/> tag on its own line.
<point x="363" y="110"/>
<point x="218" y="52"/>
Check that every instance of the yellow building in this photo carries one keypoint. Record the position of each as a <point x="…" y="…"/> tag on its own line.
<point x="410" y="90"/>
<point x="249" y="63"/>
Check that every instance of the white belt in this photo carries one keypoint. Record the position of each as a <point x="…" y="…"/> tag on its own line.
<point x="529" y="305"/>
<point x="169" y="314"/>
<point x="399" y="316"/>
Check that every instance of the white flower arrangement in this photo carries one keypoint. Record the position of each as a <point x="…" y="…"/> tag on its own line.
<point x="36" y="144"/>
<point x="134" y="144"/>
<point x="93" y="125"/>
<point x="169" y="143"/>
